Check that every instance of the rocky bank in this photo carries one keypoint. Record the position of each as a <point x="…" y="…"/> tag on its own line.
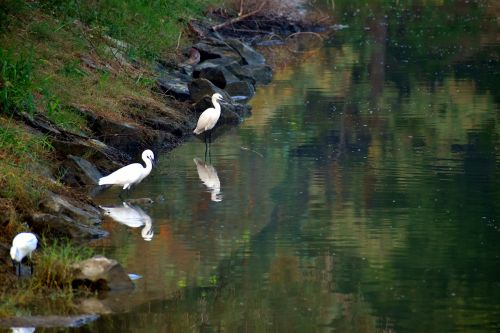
<point x="222" y="59"/>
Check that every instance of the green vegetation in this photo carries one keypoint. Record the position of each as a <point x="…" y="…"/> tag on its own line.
<point x="51" y="278"/>
<point x="53" y="264"/>
<point x="57" y="57"/>
<point x="16" y="90"/>
<point x="20" y="183"/>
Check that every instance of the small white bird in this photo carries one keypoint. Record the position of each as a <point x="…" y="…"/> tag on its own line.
<point x="209" y="117"/>
<point x="130" y="174"/>
<point x="22" y="245"/>
<point x="133" y="217"/>
<point x="208" y="175"/>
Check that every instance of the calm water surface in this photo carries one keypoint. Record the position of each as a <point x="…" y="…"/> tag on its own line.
<point x="362" y="195"/>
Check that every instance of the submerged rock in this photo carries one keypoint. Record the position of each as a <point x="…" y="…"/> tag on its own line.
<point x="101" y="273"/>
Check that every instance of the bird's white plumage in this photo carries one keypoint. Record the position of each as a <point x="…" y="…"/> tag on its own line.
<point x="210" y="116"/>
<point x="133" y="217"/>
<point x="23" y="245"/>
<point x="208" y="175"/>
<point x="130" y="174"/>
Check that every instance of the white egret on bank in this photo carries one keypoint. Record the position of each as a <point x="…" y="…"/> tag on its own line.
<point x="131" y="174"/>
<point x="208" y="175"/>
<point x="22" y="245"/>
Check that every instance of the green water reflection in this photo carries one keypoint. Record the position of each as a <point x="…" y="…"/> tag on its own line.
<point x="361" y="196"/>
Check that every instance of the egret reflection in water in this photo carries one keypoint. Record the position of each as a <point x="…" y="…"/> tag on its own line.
<point x="23" y="329"/>
<point x="208" y="175"/>
<point x="133" y="217"/>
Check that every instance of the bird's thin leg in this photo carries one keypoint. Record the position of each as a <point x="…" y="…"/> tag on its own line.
<point x="14" y="266"/>
<point x="31" y="266"/>
<point x="18" y="269"/>
<point x="206" y="150"/>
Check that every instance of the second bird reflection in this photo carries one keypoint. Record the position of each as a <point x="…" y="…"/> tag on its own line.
<point x="208" y="175"/>
<point x="133" y="217"/>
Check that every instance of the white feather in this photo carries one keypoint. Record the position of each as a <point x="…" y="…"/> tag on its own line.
<point x="130" y="174"/>
<point x="23" y="245"/>
<point x="209" y="117"/>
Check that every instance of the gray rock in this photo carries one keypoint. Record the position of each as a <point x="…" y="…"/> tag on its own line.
<point x="239" y="89"/>
<point x="101" y="273"/>
<point x="199" y="88"/>
<point x="82" y="169"/>
<point x="211" y="50"/>
<point x="214" y="75"/>
<point x="263" y="74"/>
<point x="218" y="62"/>
<point x="100" y="154"/>
<point x="62" y="225"/>
<point x="78" y="211"/>
<point x="175" y="85"/>
<point x="220" y="76"/>
<point x="249" y="55"/>
<point x="255" y="74"/>
<point x="118" y="133"/>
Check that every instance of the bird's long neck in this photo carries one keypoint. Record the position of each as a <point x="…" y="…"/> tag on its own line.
<point x="216" y="104"/>
<point x="149" y="165"/>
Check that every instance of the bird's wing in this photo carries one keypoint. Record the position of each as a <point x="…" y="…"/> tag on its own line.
<point x="25" y="239"/>
<point x="204" y="121"/>
<point x="32" y="242"/>
<point x="127" y="174"/>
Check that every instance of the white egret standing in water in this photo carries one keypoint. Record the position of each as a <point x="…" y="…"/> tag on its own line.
<point x="208" y="175"/>
<point x="22" y="245"/>
<point x="208" y="119"/>
<point x="130" y="174"/>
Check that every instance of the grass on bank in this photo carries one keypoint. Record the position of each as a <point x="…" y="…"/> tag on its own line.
<point x="51" y="278"/>
<point x="22" y="177"/>
<point x="55" y="57"/>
